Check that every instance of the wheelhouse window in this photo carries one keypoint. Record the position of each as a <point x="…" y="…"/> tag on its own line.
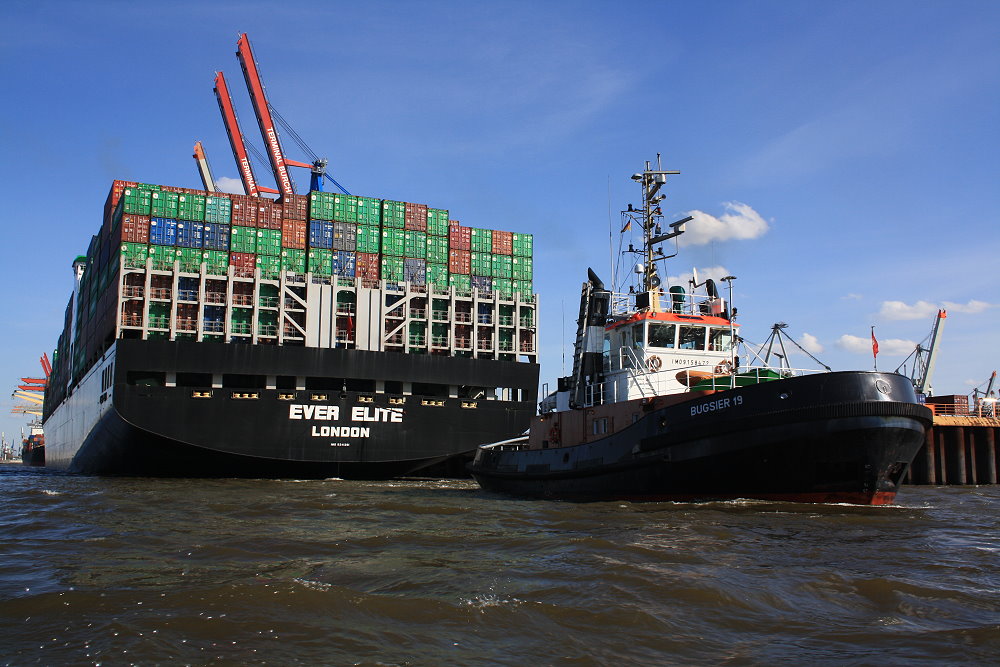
<point x="720" y="340"/>
<point x="662" y="335"/>
<point x="692" y="338"/>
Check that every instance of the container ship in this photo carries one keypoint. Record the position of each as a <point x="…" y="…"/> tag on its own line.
<point x="308" y="336"/>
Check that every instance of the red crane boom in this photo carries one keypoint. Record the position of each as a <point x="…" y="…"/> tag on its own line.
<point x="232" y="124"/>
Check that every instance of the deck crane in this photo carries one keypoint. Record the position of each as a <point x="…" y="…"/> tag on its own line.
<point x="232" y="124"/>
<point x="203" y="169"/>
<point x="922" y="358"/>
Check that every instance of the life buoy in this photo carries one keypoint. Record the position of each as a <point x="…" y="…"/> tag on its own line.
<point x="724" y="367"/>
<point x="654" y="363"/>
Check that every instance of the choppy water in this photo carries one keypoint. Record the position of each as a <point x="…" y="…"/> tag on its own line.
<point x="143" y="571"/>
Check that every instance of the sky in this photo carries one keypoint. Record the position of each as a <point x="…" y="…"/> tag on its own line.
<point x="841" y="159"/>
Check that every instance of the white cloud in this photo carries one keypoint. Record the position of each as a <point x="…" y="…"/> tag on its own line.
<point x="231" y="185"/>
<point x="862" y="345"/>
<point x="810" y="343"/>
<point x="898" y="310"/>
<point x="972" y="308"/>
<point x="716" y="273"/>
<point x="740" y="222"/>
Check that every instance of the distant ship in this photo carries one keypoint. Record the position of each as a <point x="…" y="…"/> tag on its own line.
<point x="660" y="407"/>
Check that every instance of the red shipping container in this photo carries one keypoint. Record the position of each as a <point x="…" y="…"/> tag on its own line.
<point x="459" y="261"/>
<point x="367" y="266"/>
<point x="135" y="228"/>
<point x="243" y="260"/>
<point x="416" y="217"/>
<point x="296" y="207"/>
<point x="269" y="214"/>
<point x="244" y="210"/>
<point x="117" y="188"/>
<point x="293" y="234"/>
<point x="503" y="243"/>
<point x="459" y="237"/>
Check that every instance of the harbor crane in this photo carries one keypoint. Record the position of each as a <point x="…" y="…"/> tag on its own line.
<point x="921" y="360"/>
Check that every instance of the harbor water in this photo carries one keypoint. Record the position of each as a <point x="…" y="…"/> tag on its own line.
<point x="118" y="571"/>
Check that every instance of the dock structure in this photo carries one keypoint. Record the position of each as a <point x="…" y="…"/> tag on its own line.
<point x="959" y="448"/>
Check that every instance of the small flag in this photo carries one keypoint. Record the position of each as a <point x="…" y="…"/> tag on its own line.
<point x="874" y="344"/>
<point x="628" y="226"/>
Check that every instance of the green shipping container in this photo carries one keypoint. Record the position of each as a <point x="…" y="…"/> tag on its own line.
<point x="437" y="249"/>
<point x="269" y="242"/>
<point x="437" y="274"/>
<point x="392" y="269"/>
<point x="163" y="257"/>
<point x="135" y="254"/>
<point x="482" y="240"/>
<point x="270" y="266"/>
<point x="293" y="260"/>
<point x="345" y="208"/>
<point x="503" y="286"/>
<point x="393" y="214"/>
<point x="522" y="268"/>
<point x="217" y="262"/>
<point x="460" y="282"/>
<point x="243" y="239"/>
<point x="191" y="207"/>
<point x="437" y="222"/>
<point x="393" y="242"/>
<point x="137" y="200"/>
<point x="321" y="261"/>
<point x="164" y="205"/>
<point x="525" y="287"/>
<point x="218" y="209"/>
<point x="522" y="244"/>
<point x="502" y="266"/>
<point x="482" y="263"/>
<point x="415" y="244"/>
<point x="369" y="211"/>
<point x="369" y="239"/>
<point x="190" y="259"/>
<point x="321" y="205"/>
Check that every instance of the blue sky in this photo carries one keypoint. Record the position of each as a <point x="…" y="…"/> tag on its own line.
<point x="843" y="157"/>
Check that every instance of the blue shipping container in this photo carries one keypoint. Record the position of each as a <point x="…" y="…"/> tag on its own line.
<point x="343" y="263"/>
<point x="320" y="234"/>
<point x="190" y="234"/>
<point x="216" y="236"/>
<point x="163" y="231"/>
<point x="415" y="271"/>
<point x="482" y="283"/>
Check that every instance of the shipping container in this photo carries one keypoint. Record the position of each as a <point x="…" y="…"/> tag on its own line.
<point x="243" y="240"/>
<point x="502" y="243"/>
<point x="522" y="244"/>
<point x="369" y="211"/>
<point x="503" y="286"/>
<point x="136" y="200"/>
<point x="135" y="228"/>
<point x="218" y="209"/>
<point x="392" y="269"/>
<point x="164" y="205"/>
<point x="269" y="266"/>
<point x="191" y="207"/>
<point x="320" y="261"/>
<point x="393" y="242"/>
<point x="437" y="249"/>
<point x="134" y="254"/>
<point x="415" y="244"/>
<point x="367" y="266"/>
<point x="522" y="268"/>
<point x="482" y="283"/>
<point x="293" y="233"/>
<point x="163" y="231"/>
<point x="460" y="261"/>
<point x="320" y="234"/>
<point x="293" y="260"/>
<point x="296" y="207"/>
<point x="416" y="217"/>
<point x="459" y="237"/>
<point x="244" y="210"/>
<point x="343" y="263"/>
<point x="162" y="257"/>
<point x="437" y="274"/>
<point x="114" y="195"/>
<point x="216" y="262"/>
<point x="502" y="267"/>
<point x="190" y="234"/>
<point x="189" y="259"/>
<point x="525" y="287"/>
<point x="345" y="208"/>
<point x="345" y="236"/>
<point x="482" y="240"/>
<point x="415" y="271"/>
<point x="270" y="214"/>
<point x="460" y="282"/>
<point x="481" y="264"/>
<point x="369" y="239"/>
<point x="321" y="205"/>
<point x="216" y="236"/>
<point x="269" y="242"/>
<point x="393" y="214"/>
<point x="437" y="221"/>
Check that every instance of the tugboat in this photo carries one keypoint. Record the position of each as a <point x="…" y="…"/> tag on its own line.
<point x="660" y="407"/>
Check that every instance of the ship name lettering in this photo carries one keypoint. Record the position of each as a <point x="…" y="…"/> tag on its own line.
<point x="710" y="406"/>
<point x="341" y="432"/>
<point x="324" y="412"/>
<point x="369" y="414"/>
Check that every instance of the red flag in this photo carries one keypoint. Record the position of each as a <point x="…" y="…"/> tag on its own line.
<point x="874" y="344"/>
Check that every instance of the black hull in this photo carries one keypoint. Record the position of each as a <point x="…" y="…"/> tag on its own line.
<point x="33" y="456"/>
<point x="838" y="437"/>
<point x="250" y="431"/>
